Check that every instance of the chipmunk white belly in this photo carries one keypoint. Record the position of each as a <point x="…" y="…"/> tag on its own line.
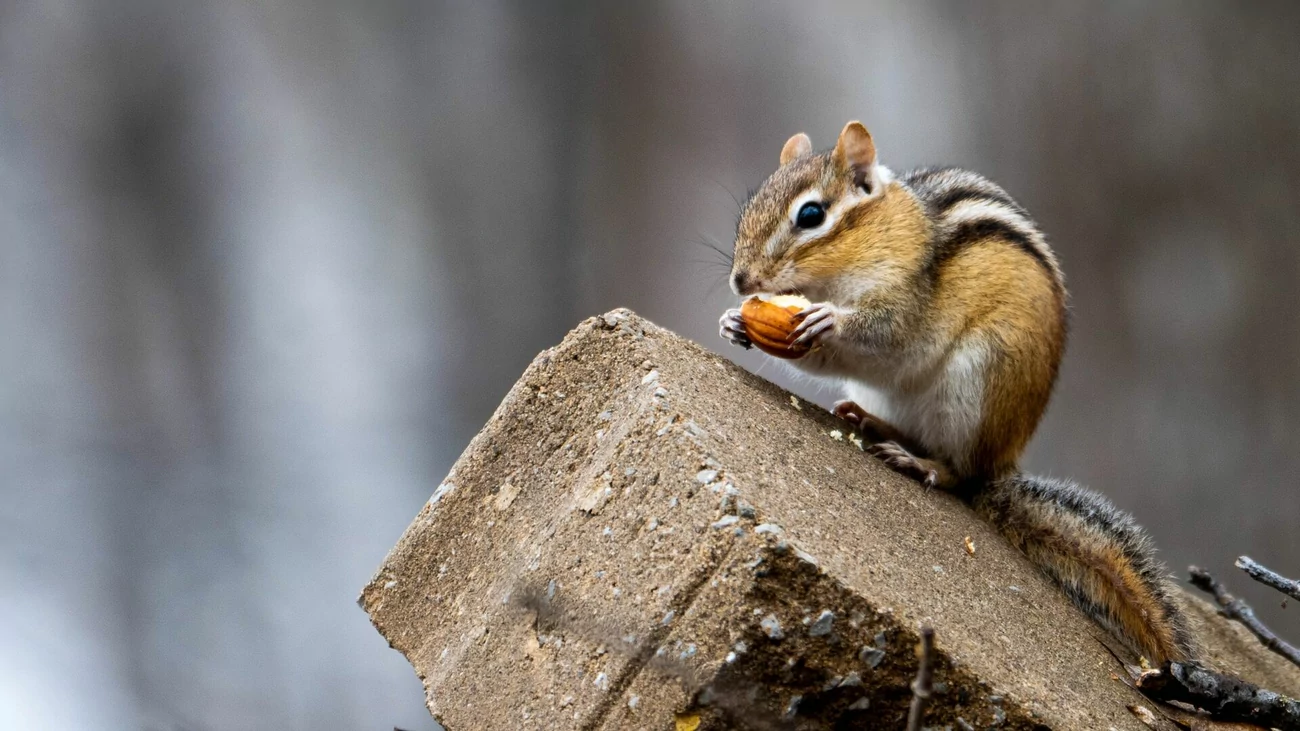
<point x="942" y="412"/>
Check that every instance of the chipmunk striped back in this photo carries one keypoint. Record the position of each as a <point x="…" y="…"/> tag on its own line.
<point x="967" y="207"/>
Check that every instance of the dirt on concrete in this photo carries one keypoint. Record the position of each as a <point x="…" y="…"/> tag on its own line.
<point x="646" y="536"/>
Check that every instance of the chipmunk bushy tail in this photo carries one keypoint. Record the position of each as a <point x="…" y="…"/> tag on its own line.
<point x="1099" y="556"/>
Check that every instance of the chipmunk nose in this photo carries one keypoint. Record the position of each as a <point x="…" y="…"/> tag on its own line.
<point x="741" y="283"/>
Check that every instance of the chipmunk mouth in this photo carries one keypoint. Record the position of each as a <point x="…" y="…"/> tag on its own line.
<point x="784" y="293"/>
<point x="767" y="294"/>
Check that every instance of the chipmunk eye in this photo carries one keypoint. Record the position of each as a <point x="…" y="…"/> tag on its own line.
<point x="810" y="215"/>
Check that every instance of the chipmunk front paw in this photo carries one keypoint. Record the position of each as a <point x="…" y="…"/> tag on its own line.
<point x="732" y="329"/>
<point x="924" y="471"/>
<point x="872" y="428"/>
<point x="816" y="323"/>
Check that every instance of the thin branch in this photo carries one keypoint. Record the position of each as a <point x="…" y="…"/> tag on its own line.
<point x="921" y="687"/>
<point x="1234" y="608"/>
<point x="1226" y="698"/>
<point x="1268" y="577"/>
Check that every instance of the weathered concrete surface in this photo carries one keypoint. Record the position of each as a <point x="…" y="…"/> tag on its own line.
<point x="644" y="532"/>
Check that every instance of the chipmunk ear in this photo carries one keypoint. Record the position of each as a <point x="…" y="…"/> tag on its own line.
<point x="794" y="147"/>
<point x="856" y="153"/>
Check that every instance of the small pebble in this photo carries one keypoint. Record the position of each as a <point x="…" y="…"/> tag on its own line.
<point x="772" y="528"/>
<point x="822" y="625"/>
<point x="726" y="520"/>
<point x="860" y="704"/>
<point x="704" y="477"/>
<point x="650" y="377"/>
<point x="772" y="627"/>
<point x="871" y="656"/>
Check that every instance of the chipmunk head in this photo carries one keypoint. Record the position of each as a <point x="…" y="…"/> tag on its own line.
<point x="823" y="223"/>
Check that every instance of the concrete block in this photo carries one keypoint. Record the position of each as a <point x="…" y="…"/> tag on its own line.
<point x="646" y="536"/>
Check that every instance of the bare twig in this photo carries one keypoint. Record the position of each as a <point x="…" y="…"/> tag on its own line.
<point x="1268" y="577"/>
<point x="1226" y="698"/>
<point x="1234" y="608"/>
<point x="921" y="687"/>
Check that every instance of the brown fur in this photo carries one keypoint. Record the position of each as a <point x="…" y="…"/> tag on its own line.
<point x="991" y="292"/>
<point x="890" y="233"/>
<point x="1098" y="555"/>
<point x="915" y="286"/>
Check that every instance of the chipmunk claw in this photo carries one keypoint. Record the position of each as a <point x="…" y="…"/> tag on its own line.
<point x="905" y="463"/>
<point x="815" y="321"/>
<point x="732" y="329"/>
<point x="870" y="426"/>
<point x="849" y="411"/>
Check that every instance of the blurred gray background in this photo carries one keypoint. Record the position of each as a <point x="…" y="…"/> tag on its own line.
<point x="265" y="268"/>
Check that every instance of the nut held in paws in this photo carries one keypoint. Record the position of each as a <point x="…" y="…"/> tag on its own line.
<point x="768" y="323"/>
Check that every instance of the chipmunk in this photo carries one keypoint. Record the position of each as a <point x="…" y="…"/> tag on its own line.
<point x="940" y="307"/>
